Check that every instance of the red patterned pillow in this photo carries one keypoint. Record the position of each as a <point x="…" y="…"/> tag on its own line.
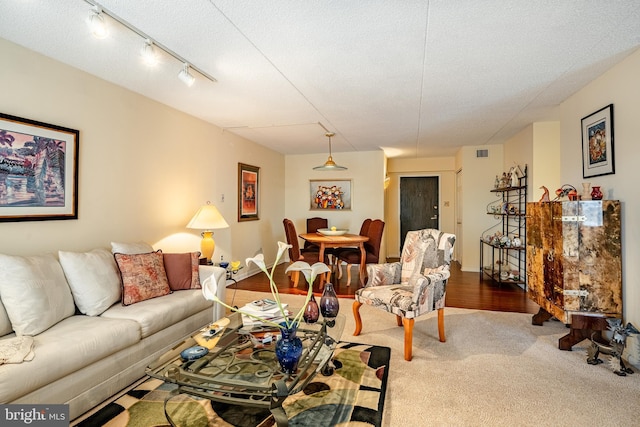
<point x="182" y="270"/>
<point x="143" y="276"/>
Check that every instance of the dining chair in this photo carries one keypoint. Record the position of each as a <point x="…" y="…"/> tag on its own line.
<point x="411" y="287"/>
<point x="364" y="228"/>
<point x="352" y="256"/>
<point x="296" y="255"/>
<point x="313" y="224"/>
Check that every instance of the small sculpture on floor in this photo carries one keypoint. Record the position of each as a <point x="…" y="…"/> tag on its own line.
<point x="615" y="348"/>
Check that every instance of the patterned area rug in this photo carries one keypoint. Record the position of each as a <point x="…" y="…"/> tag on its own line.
<point x="353" y="395"/>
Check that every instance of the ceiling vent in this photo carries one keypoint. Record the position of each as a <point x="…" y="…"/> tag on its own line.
<point x="482" y="153"/>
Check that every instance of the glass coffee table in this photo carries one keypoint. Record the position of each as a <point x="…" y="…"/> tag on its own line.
<point x="241" y="368"/>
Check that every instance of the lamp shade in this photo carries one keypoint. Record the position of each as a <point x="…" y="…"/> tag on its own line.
<point x="207" y="218"/>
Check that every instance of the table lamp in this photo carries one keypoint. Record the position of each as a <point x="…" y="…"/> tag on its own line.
<point x="207" y="218"/>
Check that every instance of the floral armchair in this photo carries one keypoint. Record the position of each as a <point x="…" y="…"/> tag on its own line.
<point x="414" y="286"/>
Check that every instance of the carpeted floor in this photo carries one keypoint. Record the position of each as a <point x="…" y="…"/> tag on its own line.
<point x="496" y="369"/>
<point x="353" y="395"/>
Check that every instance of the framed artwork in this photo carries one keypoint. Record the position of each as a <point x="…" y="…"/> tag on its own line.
<point x="332" y="194"/>
<point x="38" y="170"/>
<point x="248" y="192"/>
<point x="597" y="143"/>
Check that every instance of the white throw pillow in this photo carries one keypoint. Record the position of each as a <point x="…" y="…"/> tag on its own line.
<point x="34" y="292"/>
<point x="5" y="323"/>
<point x="93" y="278"/>
<point x="131" y="248"/>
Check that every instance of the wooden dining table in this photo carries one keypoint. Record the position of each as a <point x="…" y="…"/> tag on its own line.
<point x="343" y="241"/>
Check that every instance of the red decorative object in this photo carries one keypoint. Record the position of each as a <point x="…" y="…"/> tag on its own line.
<point x="596" y="194"/>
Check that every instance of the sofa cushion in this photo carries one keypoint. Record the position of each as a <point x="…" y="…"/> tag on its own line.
<point x="34" y="292"/>
<point x="93" y="278"/>
<point x="182" y="270"/>
<point x="5" y="323"/>
<point x="143" y="276"/>
<point x="66" y="347"/>
<point x="131" y="248"/>
<point x="156" y="314"/>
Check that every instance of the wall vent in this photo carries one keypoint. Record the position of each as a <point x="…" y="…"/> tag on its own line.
<point x="482" y="153"/>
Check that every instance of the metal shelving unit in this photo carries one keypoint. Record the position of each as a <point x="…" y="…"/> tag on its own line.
<point x="508" y="263"/>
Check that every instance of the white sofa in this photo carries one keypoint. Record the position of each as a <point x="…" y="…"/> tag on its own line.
<point x="82" y="359"/>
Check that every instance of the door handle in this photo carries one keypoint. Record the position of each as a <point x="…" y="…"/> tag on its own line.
<point x="434" y="217"/>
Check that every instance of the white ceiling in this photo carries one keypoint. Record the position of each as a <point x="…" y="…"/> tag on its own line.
<point x="414" y="78"/>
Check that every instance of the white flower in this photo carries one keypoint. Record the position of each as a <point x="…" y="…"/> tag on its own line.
<point x="210" y="286"/>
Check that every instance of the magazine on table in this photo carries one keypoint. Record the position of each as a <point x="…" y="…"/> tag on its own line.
<point x="251" y="308"/>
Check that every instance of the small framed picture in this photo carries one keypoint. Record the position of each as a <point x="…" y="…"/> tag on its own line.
<point x="597" y="143"/>
<point x="248" y="192"/>
<point x="333" y="194"/>
<point x="38" y="170"/>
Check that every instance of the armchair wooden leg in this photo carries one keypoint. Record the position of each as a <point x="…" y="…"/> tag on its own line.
<point x="408" y="338"/>
<point x="441" y="325"/>
<point x="356" y="317"/>
<point x="398" y="320"/>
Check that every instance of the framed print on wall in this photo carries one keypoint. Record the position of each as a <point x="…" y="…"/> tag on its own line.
<point x="248" y="192"/>
<point x="38" y="170"/>
<point x="331" y="194"/>
<point x="597" y="143"/>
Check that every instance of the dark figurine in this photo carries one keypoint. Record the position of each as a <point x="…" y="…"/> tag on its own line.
<point x="616" y="345"/>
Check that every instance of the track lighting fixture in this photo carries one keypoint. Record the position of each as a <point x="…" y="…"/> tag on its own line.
<point x="97" y="23"/>
<point x="185" y="75"/>
<point x="149" y="54"/>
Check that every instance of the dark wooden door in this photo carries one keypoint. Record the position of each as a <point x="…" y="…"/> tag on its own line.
<point x="419" y="200"/>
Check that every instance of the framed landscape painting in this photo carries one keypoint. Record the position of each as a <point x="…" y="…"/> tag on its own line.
<point x="333" y="194"/>
<point x="38" y="170"/>
<point x="248" y="192"/>
<point x="597" y="143"/>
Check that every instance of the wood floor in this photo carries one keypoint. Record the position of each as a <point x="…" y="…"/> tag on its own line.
<point x="464" y="290"/>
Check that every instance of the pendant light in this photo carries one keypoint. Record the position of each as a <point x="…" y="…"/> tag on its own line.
<point x="330" y="165"/>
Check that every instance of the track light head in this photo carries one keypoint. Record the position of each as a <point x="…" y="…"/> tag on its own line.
<point x="185" y="75"/>
<point x="97" y="23"/>
<point x="149" y="54"/>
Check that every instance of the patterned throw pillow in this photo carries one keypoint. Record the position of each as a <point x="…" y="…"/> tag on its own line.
<point x="143" y="276"/>
<point x="182" y="270"/>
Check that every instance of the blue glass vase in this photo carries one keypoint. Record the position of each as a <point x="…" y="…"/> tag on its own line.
<point x="329" y="304"/>
<point x="288" y="348"/>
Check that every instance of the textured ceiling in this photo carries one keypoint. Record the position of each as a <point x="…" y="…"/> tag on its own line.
<point x="414" y="78"/>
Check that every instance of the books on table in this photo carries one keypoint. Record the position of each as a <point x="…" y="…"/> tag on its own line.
<point x="270" y="312"/>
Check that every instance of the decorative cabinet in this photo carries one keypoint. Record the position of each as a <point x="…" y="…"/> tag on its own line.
<point x="574" y="266"/>
<point x="503" y="255"/>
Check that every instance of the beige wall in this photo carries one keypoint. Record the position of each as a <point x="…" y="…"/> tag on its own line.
<point x="441" y="167"/>
<point x="546" y="160"/>
<point x="144" y="169"/>
<point x="618" y="86"/>
<point x="479" y="178"/>
<point x="366" y="172"/>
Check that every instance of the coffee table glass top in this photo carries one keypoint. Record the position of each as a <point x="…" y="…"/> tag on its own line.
<point x="241" y="367"/>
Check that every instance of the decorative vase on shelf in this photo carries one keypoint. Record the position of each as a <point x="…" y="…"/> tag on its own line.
<point x="329" y="304"/>
<point x="596" y="194"/>
<point x="288" y="349"/>
<point x="586" y="191"/>
<point x="311" y="311"/>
